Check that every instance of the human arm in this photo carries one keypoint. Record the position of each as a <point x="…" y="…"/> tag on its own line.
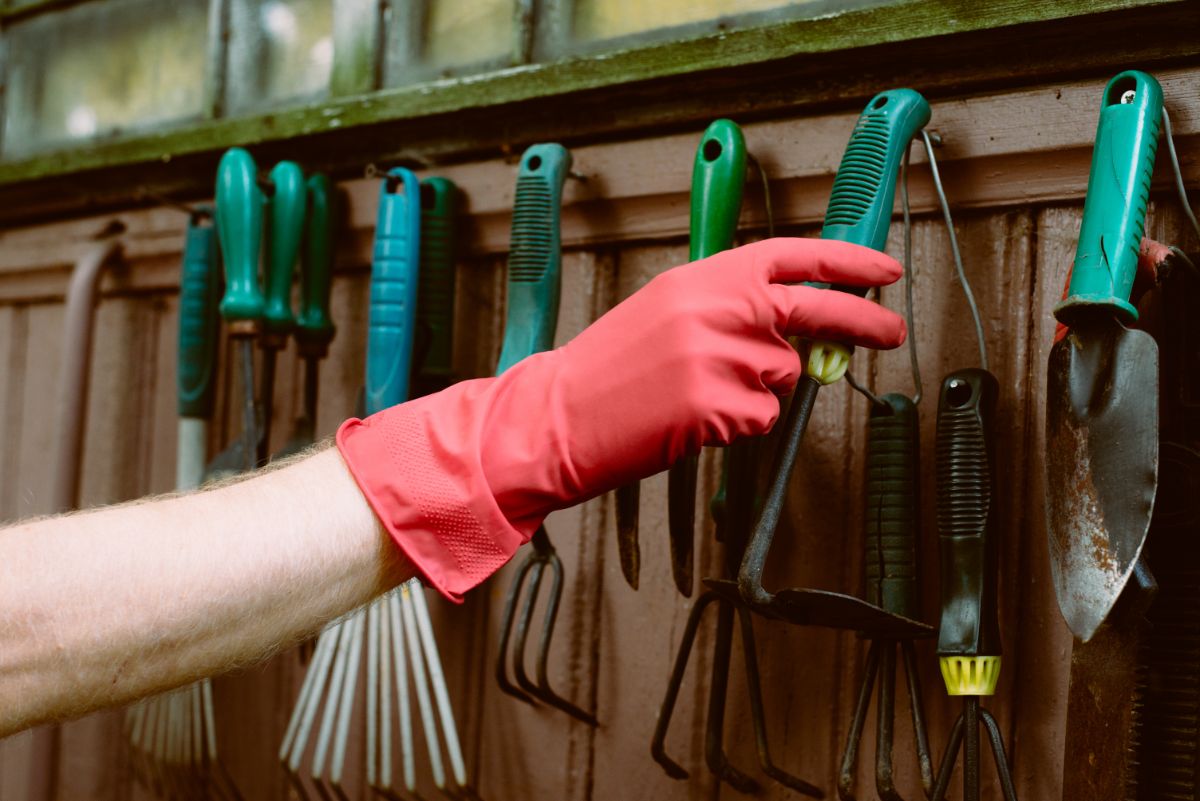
<point x="103" y="607"/>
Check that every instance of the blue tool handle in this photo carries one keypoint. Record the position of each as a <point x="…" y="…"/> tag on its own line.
<point x="199" y="297"/>
<point x="535" y="254"/>
<point x="393" y="290"/>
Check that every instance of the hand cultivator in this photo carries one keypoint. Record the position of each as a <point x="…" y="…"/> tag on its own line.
<point x="534" y="281"/>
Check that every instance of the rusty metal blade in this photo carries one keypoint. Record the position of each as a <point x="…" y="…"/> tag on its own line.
<point x="628" y="501"/>
<point x="681" y="520"/>
<point x="1101" y="464"/>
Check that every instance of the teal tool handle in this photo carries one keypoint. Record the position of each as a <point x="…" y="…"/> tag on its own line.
<point x="199" y="296"/>
<point x="1114" y="212"/>
<point x="535" y="257"/>
<point x="283" y="245"/>
<point x="239" y="226"/>
<point x="435" y="292"/>
<point x="718" y="176"/>
<point x="314" y="327"/>
<point x="864" y="190"/>
<point x="393" y="290"/>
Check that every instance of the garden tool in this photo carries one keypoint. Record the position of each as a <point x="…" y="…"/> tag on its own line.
<point x="718" y="176"/>
<point x="314" y="329"/>
<point x="717" y="183"/>
<point x="239" y="216"/>
<point x="859" y="211"/>
<point x="396" y="628"/>
<point x="172" y="736"/>
<point x="534" y="281"/>
<point x="286" y="228"/>
<point x="433" y="364"/>
<point x="969" y="636"/>
<point x="80" y="315"/>
<point x="1102" y="379"/>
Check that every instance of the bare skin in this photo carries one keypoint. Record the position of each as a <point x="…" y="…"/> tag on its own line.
<point x="107" y="606"/>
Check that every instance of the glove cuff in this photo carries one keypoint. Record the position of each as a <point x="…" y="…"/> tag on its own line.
<point x="426" y="483"/>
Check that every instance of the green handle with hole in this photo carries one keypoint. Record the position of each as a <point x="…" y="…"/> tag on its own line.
<point x="314" y="326"/>
<point x="239" y="227"/>
<point x="535" y="257"/>
<point x="435" y="290"/>
<point x="1114" y="211"/>
<point x="199" y="296"/>
<point x="718" y="176"/>
<point x="287" y="208"/>
<point x="864" y="192"/>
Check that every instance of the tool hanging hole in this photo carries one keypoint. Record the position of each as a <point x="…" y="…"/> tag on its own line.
<point x="712" y="150"/>
<point x="880" y="102"/>
<point x="534" y="162"/>
<point x="395" y="185"/>
<point x="959" y="393"/>
<point x="1123" y="91"/>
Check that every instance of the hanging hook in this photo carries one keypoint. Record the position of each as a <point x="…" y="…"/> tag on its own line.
<point x="766" y="187"/>
<point x="1179" y="186"/>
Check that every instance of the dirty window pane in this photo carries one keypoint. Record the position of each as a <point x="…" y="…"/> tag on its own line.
<point x="101" y="68"/>
<point x="609" y="19"/>
<point x="467" y="31"/>
<point x="279" y="50"/>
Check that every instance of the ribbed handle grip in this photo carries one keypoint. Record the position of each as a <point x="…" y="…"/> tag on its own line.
<point x="435" y="293"/>
<point x="1114" y="211"/>
<point x="535" y="254"/>
<point x="393" y="291"/>
<point x="287" y="208"/>
<point x="892" y="523"/>
<point x="966" y="511"/>
<point x="314" y="327"/>
<point x="240" y="227"/>
<point x="199" y="297"/>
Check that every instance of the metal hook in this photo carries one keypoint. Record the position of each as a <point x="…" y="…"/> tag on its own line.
<point x="766" y="187"/>
<point x="966" y="733"/>
<point x="1178" y="174"/>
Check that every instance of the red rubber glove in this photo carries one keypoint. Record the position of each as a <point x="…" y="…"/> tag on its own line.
<point x="697" y="357"/>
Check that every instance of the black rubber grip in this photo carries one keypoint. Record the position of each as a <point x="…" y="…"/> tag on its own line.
<point x="892" y="511"/>
<point x="966" y="512"/>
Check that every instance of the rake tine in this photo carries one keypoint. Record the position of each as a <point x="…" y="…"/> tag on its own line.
<point x="657" y="743"/>
<point x="917" y="707"/>
<point x="441" y="695"/>
<point x="854" y="737"/>
<point x="404" y="705"/>
<point x="543" y="690"/>
<point x="532" y="591"/>
<point x="196" y="736"/>
<point x="885" y="712"/>
<point x="346" y="706"/>
<point x="372" y="756"/>
<point x="714" y="748"/>
<point x="758" y="713"/>
<point x="308" y="703"/>
<point x="998" y="756"/>
<point x="333" y="695"/>
<point x="424" y="705"/>
<point x="158" y="747"/>
<point x="948" y="759"/>
<point x="506" y="628"/>
<point x="379" y="763"/>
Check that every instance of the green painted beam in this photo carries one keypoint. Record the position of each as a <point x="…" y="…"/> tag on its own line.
<point x="891" y="23"/>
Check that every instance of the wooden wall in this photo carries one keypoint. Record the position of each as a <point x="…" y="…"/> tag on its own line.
<point x="1015" y="164"/>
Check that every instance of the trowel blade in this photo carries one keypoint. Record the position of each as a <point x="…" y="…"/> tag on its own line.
<point x="1101" y="464"/>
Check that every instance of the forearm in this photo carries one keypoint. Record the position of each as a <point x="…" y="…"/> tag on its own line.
<point x="107" y="606"/>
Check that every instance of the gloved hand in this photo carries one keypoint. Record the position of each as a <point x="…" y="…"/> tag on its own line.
<point x="697" y="357"/>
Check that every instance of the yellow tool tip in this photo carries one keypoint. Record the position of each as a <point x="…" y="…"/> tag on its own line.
<point x="970" y="675"/>
<point x="826" y="362"/>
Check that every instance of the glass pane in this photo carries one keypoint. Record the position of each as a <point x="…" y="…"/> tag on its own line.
<point x="278" y="50"/>
<point x="468" y="31"/>
<point x="608" y="19"/>
<point x="103" y="67"/>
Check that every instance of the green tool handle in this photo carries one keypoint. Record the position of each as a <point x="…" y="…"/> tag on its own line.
<point x="435" y="290"/>
<point x="314" y="326"/>
<point x="199" y="296"/>
<point x="966" y="514"/>
<point x="239" y="227"/>
<point x="535" y="254"/>
<point x="283" y="246"/>
<point x="892" y="514"/>
<point x="1114" y="212"/>
<point x="718" y="176"/>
